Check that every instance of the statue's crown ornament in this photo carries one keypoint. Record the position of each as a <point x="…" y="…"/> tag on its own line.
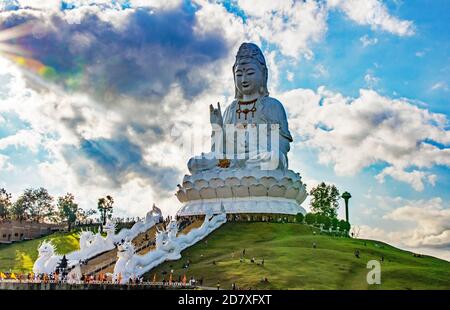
<point x="250" y="50"/>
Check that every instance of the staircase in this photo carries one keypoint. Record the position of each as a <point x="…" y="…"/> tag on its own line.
<point x="104" y="263"/>
<point x="195" y="224"/>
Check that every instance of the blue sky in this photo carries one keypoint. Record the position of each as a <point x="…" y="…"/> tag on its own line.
<point x="91" y="93"/>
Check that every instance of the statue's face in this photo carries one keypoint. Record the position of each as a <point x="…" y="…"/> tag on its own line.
<point x="125" y="250"/>
<point x="87" y="237"/>
<point x="46" y="249"/>
<point x="248" y="77"/>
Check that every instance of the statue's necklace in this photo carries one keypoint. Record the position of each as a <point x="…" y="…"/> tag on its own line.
<point x="243" y="107"/>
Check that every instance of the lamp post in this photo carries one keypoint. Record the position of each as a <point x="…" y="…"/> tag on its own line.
<point x="346" y="196"/>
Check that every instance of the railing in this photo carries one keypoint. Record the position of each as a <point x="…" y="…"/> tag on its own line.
<point x="92" y="285"/>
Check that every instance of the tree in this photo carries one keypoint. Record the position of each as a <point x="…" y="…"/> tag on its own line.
<point x="43" y="208"/>
<point x="68" y="209"/>
<point x="334" y="223"/>
<point x="105" y="206"/>
<point x="344" y="225"/>
<point x="324" y="220"/>
<point x="299" y="217"/>
<point x="21" y="208"/>
<point x="324" y="200"/>
<point x="310" y="218"/>
<point x="83" y="215"/>
<point x="5" y="204"/>
<point x="34" y="204"/>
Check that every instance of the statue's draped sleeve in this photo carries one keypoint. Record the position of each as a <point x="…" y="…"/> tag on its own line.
<point x="274" y="113"/>
<point x="228" y="114"/>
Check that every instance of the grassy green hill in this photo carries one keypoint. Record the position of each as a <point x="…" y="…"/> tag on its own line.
<point x="20" y="256"/>
<point x="291" y="262"/>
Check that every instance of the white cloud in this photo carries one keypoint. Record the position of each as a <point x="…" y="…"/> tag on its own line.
<point x="291" y="25"/>
<point x="367" y="41"/>
<point x="41" y="4"/>
<point x="23" y="138"/>
<point x="44" y="113"/>
<point x="5" y="165"/>
<point x="432" y="179"/>
<point x="156" y="4"/>
<point x="320" y="72"/>
<point x="371" y="80"/>
<point x="375" y="14"/>
<point x="61" y="122"/>
<point x="289" y="76"/>
<point x="420" y="53"/>
<point x="415" y="178"/>
<point x="418" y="225"/>
<point x="8" y="5"/>
<point x="351" y="134"/>
<point x="440" y="86"/>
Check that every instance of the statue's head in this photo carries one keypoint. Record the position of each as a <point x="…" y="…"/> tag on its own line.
<point x="172" y="226"/>
<point x="46" y="249"/>
<point x="86" y="238"/>
<point x="125" y="250"/>
<point x="208" y="214"/>
<point x="250" y="71"/>
<point x="160" y="237"/>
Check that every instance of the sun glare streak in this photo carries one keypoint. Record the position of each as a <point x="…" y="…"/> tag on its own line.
<point x="16" y="32"/>
<point x="34" y="70"/>
<point x="14" y="49"/>
<point x="31" y="64"/>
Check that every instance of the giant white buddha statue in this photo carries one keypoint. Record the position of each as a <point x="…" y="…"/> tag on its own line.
<point x="246" y="170"/>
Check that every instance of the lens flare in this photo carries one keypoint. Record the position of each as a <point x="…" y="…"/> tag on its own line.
<point x="11" y="49"/>
<point x="13" y="34"/>
<point x="16" y="32"/>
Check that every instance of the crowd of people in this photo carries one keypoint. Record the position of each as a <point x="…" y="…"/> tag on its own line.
<point x="101" y="278"/>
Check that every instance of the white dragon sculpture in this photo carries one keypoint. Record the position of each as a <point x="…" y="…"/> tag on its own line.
<point x="93" y="244"/>
<point x="48" y="260"/>
<point x="168" y="247"/>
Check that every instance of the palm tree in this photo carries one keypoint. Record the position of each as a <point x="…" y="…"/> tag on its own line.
<point x="105" y="206"/>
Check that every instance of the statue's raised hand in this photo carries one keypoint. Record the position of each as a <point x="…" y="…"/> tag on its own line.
<point x="215" y="115"/>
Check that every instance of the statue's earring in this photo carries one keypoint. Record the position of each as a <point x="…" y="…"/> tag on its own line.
<point x="262" y="90"/>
